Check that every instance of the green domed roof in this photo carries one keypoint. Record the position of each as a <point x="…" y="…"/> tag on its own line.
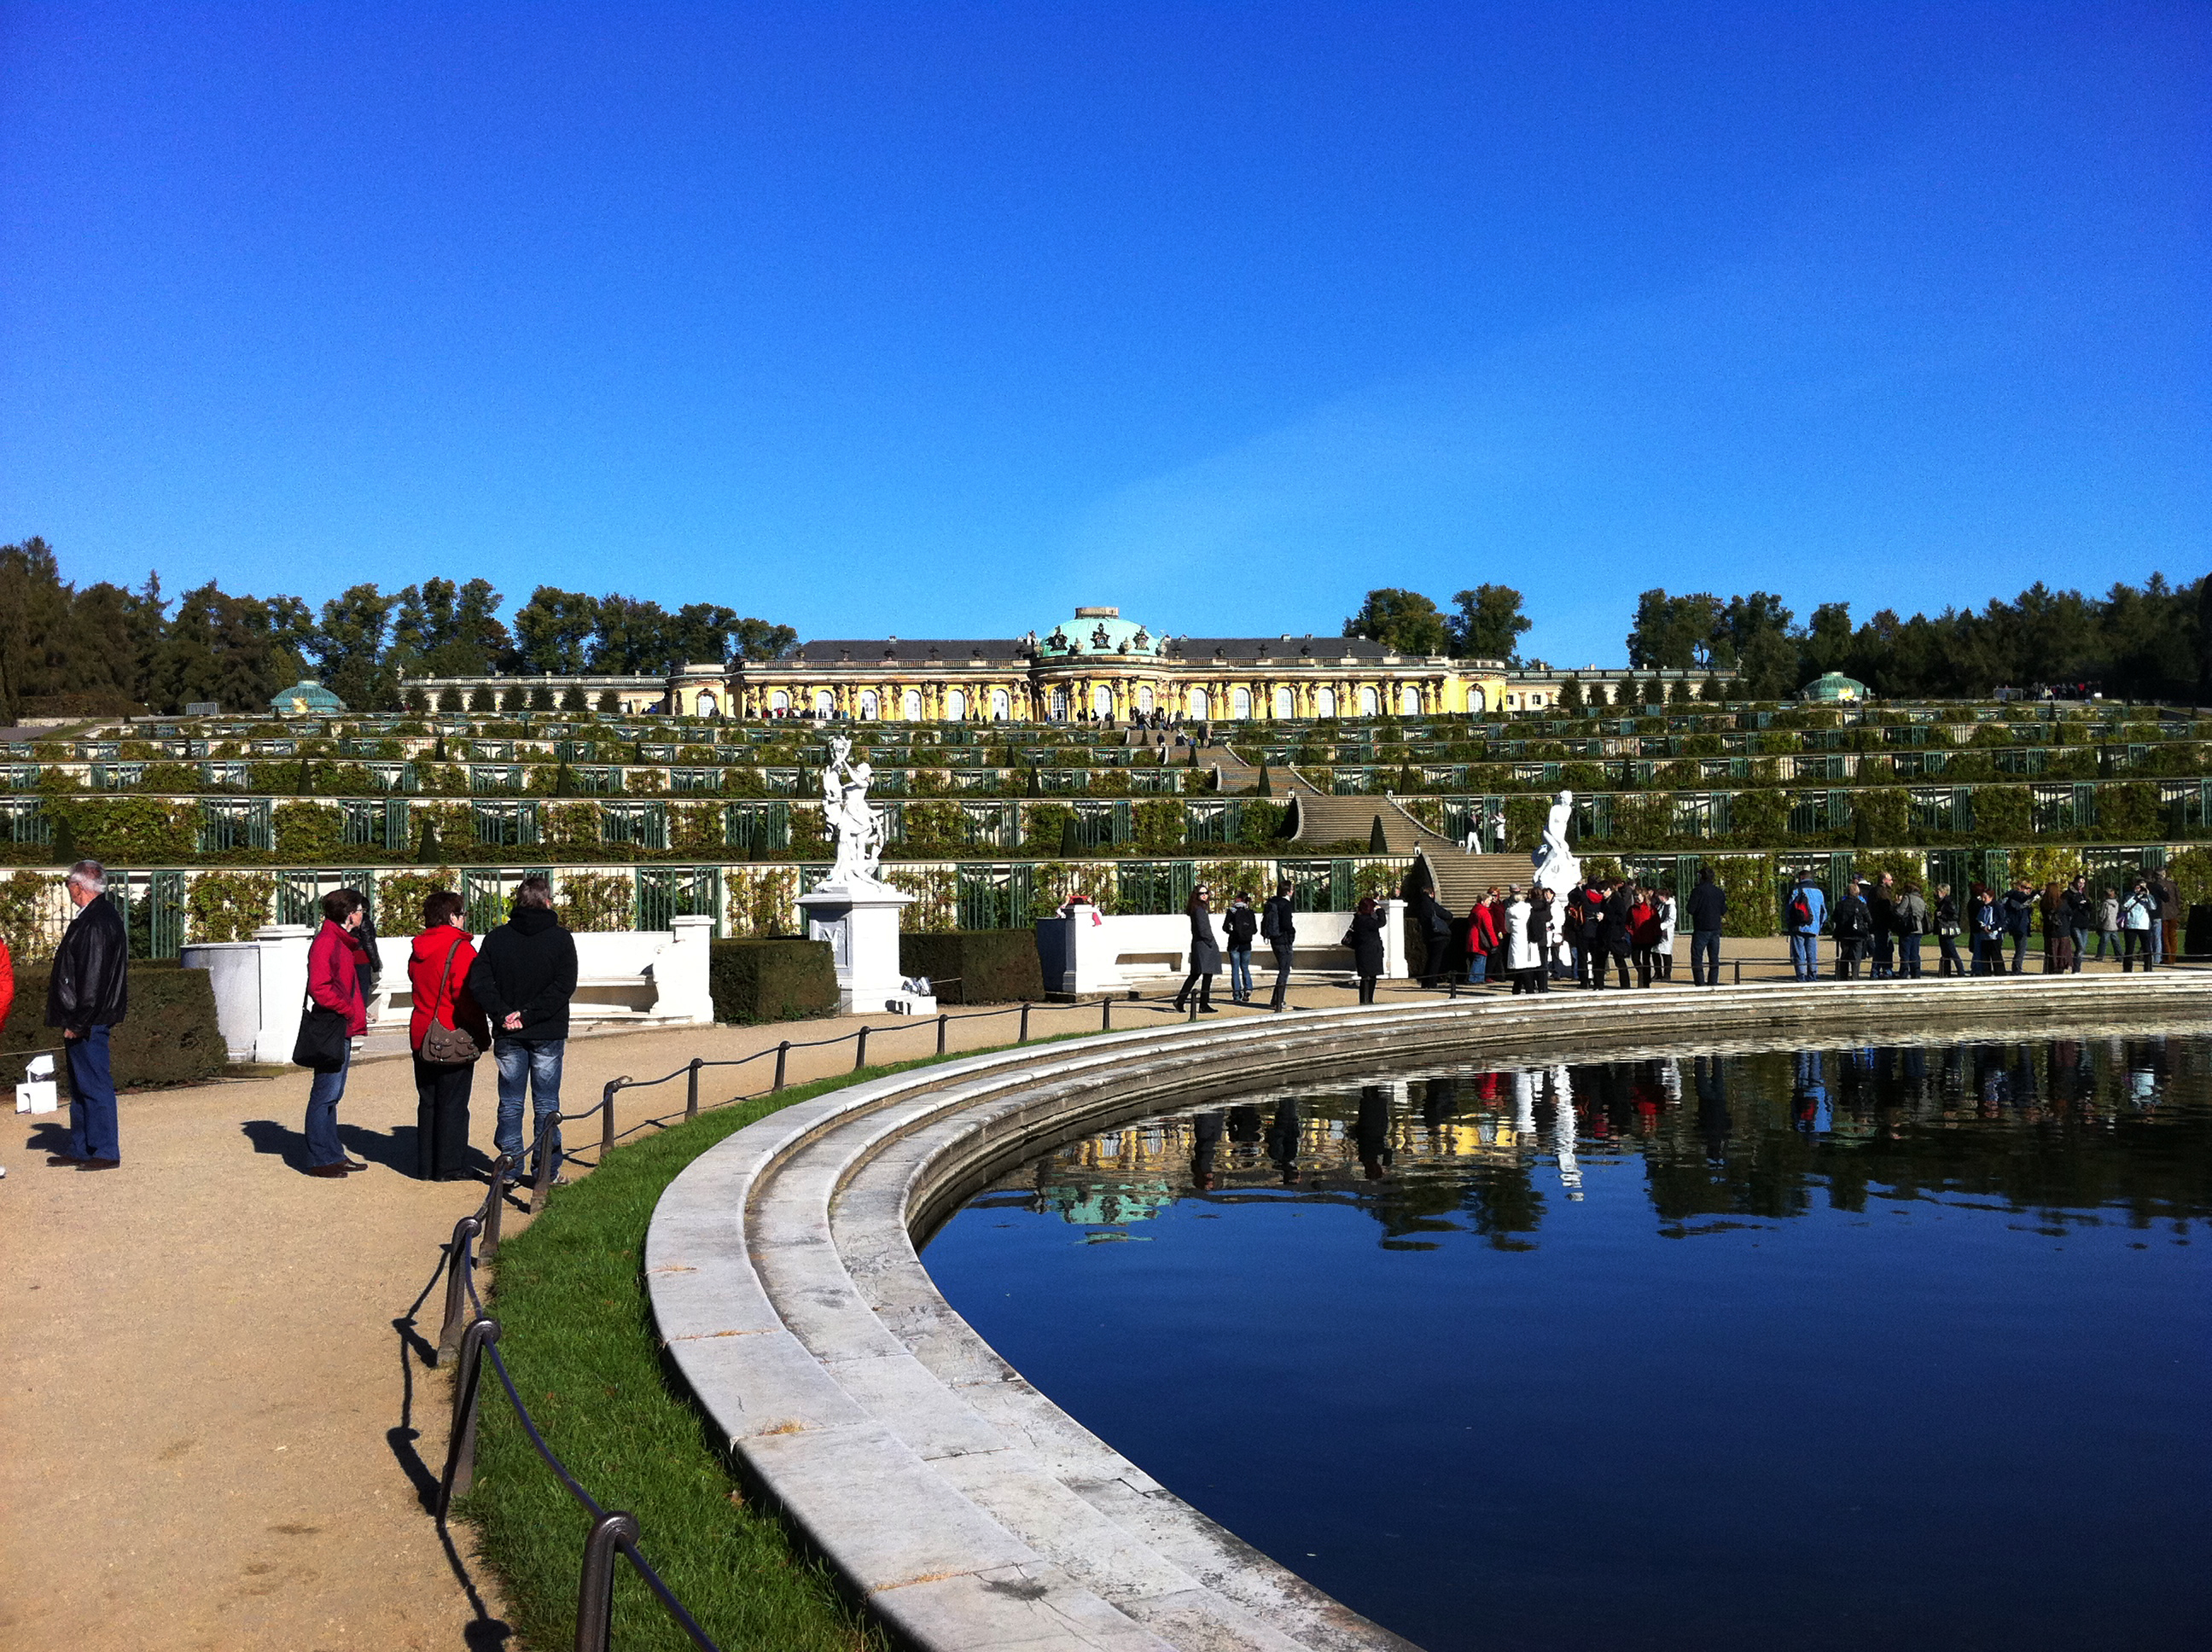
<point x="1834" y="685"/>
<point x="1095" y="631"/>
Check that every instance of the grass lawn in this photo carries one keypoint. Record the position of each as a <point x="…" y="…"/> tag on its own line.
<point x="576" y="1331"/>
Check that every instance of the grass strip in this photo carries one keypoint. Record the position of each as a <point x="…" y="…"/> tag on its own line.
<point x="576" y="1331"/>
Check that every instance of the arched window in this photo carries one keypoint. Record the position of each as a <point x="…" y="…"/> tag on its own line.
<point x="1240" y="704"/>
<point x="868" y="704"/>
<point x="1369" y="704"/>
<point x="910" y="705"/>
<point x="1474" y="700"/>
<point x="1102" y="700"/>
<point x="1002" y="705"/>
<point x="1058" y="704"/>
<point x="956" y="705"/>
<point x="1324" y="702"/>
<point x="1198" y="703"/>
<point x="1412" y="701"/>
<point x="1287" y="704"/>
<point x="707" y="706"/>
<point x="1145" y="698"/>
<point x="826" y="703"/>
<point x="778" y="703"/>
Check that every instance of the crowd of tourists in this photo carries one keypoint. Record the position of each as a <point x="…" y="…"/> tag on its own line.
<point x="509" y="997"/>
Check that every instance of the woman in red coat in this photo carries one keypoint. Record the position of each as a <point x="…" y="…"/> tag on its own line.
<point x="438" y="971"/>
<point x="1643" y="930"/>
<point x="334" y="983"/>
<point x="1481" y="938"/>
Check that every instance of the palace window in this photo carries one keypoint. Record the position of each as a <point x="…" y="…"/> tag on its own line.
<point x="1324" y="702"/>
<point x="910" y="705"/>
<point x="1145" y="698"/>
<point x="1370" y="702"/>
<point x="1102" y="700"/>
<point x="1411" y="700"/>
<point x="1002" y="705"/>
<point x="826" y="703"/>
<point x="1198" y="703"/>
<point x="778" y="703"/>
<point x="1285" y="704"/>
<point x="1240" y="704"/>
<point x="868" y="704"/>
<point x="956" y="704"/>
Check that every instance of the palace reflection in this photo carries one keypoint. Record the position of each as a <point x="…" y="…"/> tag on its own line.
<point x="2080" y="1129"/>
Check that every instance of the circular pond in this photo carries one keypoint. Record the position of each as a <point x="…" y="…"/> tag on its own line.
<point x="1819" y="1348"/>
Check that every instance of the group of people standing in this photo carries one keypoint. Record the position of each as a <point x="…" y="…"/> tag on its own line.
<point x="510" y="996"/>
<point x="1881" y="924"/>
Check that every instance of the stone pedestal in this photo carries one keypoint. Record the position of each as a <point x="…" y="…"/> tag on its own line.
<point x="860" y="921"/>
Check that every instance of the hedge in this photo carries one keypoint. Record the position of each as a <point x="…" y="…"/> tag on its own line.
<point x="783" y="978"/>
<point x="169" y="1034"/>
<point x="975" y="966"/>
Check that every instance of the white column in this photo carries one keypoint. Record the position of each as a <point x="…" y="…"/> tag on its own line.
<point x="679" y="974"/>
<point x="283" y="987"/>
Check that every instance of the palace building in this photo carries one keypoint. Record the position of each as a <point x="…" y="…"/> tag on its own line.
<point x="1096" y="664"/>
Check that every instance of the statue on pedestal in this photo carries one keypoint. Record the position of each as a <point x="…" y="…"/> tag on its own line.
<point x="1556" y="869"/>
<point x="860" y="829"/>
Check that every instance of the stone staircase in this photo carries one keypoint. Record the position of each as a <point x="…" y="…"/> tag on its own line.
<point x="1458" y="878"/>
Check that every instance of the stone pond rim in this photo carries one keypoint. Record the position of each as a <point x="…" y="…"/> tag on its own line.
<point x="967" y="1508"/>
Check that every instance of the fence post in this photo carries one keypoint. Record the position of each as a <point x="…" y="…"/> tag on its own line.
<point x="1191" y="1012"/>
<point x="1739" y="970"/>
<point x="607" y="1116"/>
<point x="494" y="1204"/>
<point x="457" y="1287"/>
<point x="1105" y="1014"/>
<point x="781" y="1051"/>
<point x="860" y="1049"/>
<point x="1024" y="1037"/>
<point x="595" y="1596"/>
<point x="542" y="1189"/>
<point x="943" y="1021"/>
<point x="691" y="1096"/>
<point x="461" y="1441"/>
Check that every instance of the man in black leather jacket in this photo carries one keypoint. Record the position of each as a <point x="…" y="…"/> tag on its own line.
<point x="1278" y="928"/>
<point x="86" y="995"/>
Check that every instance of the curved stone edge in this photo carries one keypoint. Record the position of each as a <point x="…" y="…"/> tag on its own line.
<point x="959" y="1501"/>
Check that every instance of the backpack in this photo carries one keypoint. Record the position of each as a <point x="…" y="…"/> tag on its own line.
<point x="1800" y="911"/>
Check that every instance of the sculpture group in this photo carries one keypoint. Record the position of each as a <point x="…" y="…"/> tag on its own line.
<point x="860" y="830"/>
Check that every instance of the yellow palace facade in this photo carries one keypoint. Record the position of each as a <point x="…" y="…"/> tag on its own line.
<point x="1094" y="665"/>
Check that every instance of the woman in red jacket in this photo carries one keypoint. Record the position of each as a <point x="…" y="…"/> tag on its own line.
<point x="334" y="983"/>
<point x="1481" y="938"/>
<point x="438" y="970"/>
<point x="1643" y="930"/>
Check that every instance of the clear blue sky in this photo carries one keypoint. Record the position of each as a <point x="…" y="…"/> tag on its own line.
<point x="936" y="319"/>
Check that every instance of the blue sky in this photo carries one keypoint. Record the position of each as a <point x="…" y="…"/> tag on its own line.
<point x="937" y="320"/>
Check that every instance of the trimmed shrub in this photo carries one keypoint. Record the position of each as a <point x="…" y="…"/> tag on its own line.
<point x="976" y="966"/>
<point x="755" y="981"/>
<point x="229" y="906"/>
<point x="169" y="1034"/>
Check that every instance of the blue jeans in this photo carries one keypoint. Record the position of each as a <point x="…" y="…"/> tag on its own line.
<point x="534" y="1063"/>
<point x="1240" y="973"/>
<point x="1805" y="953"/>
<point x="2080" y="947"/>
<point x="323" y="1146"/>
<point x="1704" y="957"/>
<point x="2157" y="941"/>
<point x="92" y="1098"/>
<point x="1908" y="958"/>
<point x="1477" y="968"/>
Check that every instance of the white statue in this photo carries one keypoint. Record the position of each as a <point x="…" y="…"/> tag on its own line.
<point x="860" y="830"/>
<point x="1556" y="869"/>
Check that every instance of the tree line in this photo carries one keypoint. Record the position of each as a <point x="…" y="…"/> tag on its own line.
<point x="2148" y="642"/>
<point x="104" y="648"/>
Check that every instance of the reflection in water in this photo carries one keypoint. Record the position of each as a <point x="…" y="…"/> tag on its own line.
<point x="1933" y="1287"/>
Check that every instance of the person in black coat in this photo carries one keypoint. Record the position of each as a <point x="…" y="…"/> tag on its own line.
<point x="1204" y="956"/>
<point x="1278" y="928"/>
<point x="1881" y="909"/>
<point x="1238" y="925"/>
<point x="1854" y="926"/>
<point x="86" y="995"/>
<point x="522" y="980"/>
<point x="1365" y="938"/>
<point x="1435" y="934"/>
<point x="1708" y="906"/>
<point x="1587" y="934"/>
<point x="1616" y="933"/>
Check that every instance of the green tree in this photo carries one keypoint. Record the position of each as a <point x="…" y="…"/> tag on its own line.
<point x="1489" y="624"/>
<point x="553" y="631"/>
<point x="1674" y="633"/>
<point x="348" y="647"/>
<point x="756" y="639"/>
<point x="1404" y="622"/>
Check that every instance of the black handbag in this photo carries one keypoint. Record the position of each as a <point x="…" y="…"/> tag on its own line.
<point x="323" y="1038"/>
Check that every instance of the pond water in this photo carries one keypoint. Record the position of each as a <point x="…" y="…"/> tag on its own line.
<point x="1901" y="1346"/>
